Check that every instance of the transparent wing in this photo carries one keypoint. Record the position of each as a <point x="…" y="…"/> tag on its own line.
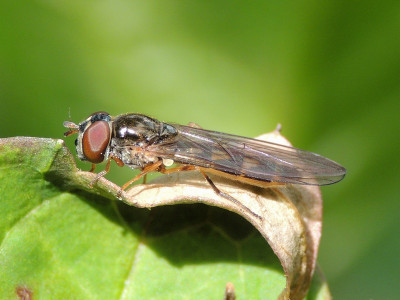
<point x="248" y="157"/>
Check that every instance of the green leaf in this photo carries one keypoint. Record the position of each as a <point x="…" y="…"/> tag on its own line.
<point x="60" y="241"/>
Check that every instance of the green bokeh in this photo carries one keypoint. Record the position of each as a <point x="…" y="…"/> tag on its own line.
<point x="329" y="72"/>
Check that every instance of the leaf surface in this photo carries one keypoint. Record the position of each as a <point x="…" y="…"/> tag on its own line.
<point x="60" y="238"/>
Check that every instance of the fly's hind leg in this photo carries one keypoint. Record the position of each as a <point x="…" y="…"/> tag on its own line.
<point x="225" y="195"/>
<point x="210" y="182"/>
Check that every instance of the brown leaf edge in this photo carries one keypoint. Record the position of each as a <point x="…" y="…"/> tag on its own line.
<point x="288" y="216"/>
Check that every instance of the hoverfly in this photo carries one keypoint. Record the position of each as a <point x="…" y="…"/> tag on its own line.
<point x="144" y="143"/>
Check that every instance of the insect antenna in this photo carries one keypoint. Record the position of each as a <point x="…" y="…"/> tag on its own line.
<point x="74" y="128"/>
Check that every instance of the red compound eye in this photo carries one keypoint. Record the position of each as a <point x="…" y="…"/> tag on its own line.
<point x="95" y="141"/>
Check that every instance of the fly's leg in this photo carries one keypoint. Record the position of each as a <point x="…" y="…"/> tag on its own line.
<point x="177" y="169"/>
<point x="210" y="182"/>
<point x="92" y="168"/>
<point x="225" y="195"/>
<point x="149" y="168"/>
<point x="101" y="174"/>
<point x="106" y="169"/>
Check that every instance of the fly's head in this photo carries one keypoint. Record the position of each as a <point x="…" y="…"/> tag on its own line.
<point x="94" y="136"/>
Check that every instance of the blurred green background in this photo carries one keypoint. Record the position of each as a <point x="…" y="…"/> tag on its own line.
<point x="328" y="71"/>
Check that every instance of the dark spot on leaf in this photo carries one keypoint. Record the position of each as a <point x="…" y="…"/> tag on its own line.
<point x="229" y="291"/>
<point x="23" y="293"/>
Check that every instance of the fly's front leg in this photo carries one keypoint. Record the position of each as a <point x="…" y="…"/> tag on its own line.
<point x="106" y="169"/>
<point x="101" y="174"/>
<point x="92" y="168"/>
